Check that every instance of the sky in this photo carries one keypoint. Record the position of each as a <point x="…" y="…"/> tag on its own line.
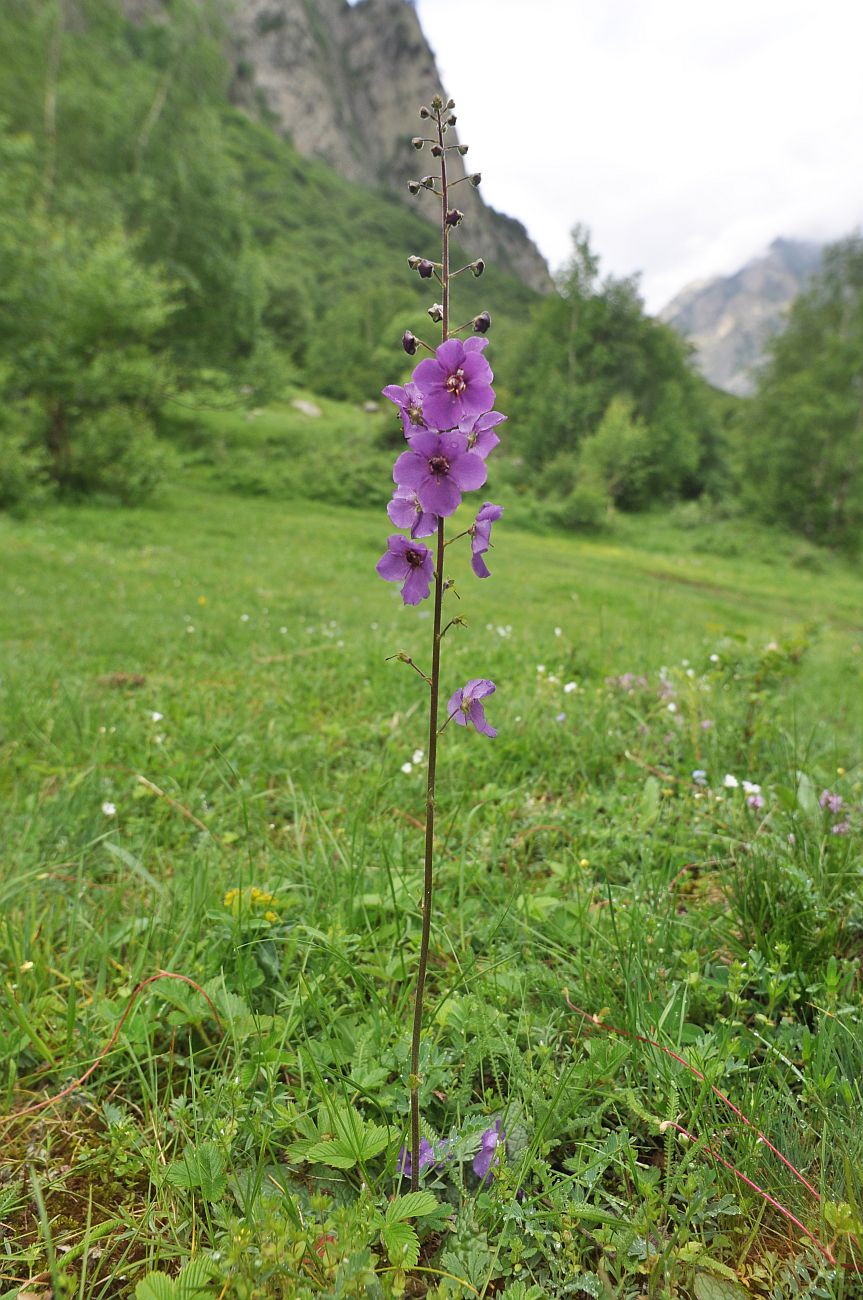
<point x="687" y="134"/>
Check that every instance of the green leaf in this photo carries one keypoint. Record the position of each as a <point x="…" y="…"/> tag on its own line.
<point x="806" y="796"/>
<point x="200" y="1167"/>
<point x="717" y="1288"/>
<point x="411" y="1206"/>
<point x="402" y="1244"/>
<point x="156" y="1286"/>
<point x="650" y="801"/>
<point x="333" y="1152"/>
<point x="195" y="1276"/>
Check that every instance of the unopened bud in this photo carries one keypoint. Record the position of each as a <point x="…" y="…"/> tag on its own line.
<point x="462" y="148"/>
<point x="478" y="267"/>
<point x="427" y="182"/>
<point x="418" y="142"/>
<point x="410" y="342"/>
<point x="475" y="178"/>
<point x="425" y="268"/>
<point x="424" y="112"/>
<point x="481" y="323"/>
<point x="436" y="151"/>
<point x="414" y="187"/>
<point x="451" y="120"/>
<point x="414" y="261"/>
<point x="454" y="217"/>
<point x="437" y="103"/>
<point x="450" y="103"/>
<point x="436" y="312"/>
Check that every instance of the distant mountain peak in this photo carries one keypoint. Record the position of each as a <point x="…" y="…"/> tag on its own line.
<point x="728" y="319"/>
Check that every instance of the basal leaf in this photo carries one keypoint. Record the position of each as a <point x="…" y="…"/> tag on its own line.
<point x="402" y="1244"/>
<point x="411" y="1206"/>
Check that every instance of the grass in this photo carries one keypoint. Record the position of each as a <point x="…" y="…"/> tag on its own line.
<point x="230" y="650"/>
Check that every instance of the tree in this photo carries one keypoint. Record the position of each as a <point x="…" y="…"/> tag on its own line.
<point x="801" y="451"/>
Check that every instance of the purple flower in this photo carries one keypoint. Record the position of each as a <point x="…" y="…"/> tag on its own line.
<point x="464" y="706"/>
<point x="455" y="385"/>
<point x="410" y="563"/>
<point x="481" y="535"/>
<point x="832" y="802"/>
<point x="439" y="468"/>
<point x="404" y="1164"/>
<point x="488" y="1155"/>
<point x="410" y="403"/>
<point x="405" y="511"/>
<point x="755" y="801"/>
<point x="481" y="437"/>
<point x="840" y="828"/>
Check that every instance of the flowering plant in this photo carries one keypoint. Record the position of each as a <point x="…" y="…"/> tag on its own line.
<point x="447" y="417"/>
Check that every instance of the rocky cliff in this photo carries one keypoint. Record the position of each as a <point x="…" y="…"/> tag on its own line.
<point x="730" y="318"/>
<point x="344" y="82"/>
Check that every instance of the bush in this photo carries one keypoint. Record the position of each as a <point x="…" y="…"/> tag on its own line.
<point x="24" y="481"/>
<point x="116" y="454"/>
<point x="584" y="509"/>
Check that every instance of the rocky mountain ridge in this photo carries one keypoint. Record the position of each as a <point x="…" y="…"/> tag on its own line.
<point x="730" y="318"/>
<point x="344" y="82"/>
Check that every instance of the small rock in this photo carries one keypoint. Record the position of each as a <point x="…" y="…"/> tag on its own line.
<point x="305" y="408"/>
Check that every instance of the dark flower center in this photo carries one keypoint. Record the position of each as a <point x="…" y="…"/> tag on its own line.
<point x="415" y="413"/>
<point x="456" y="383"/>
<point x="438" y="465"/>
<point x="414" y="559"/>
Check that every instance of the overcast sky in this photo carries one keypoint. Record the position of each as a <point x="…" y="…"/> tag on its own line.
<point x="686" y="133"/>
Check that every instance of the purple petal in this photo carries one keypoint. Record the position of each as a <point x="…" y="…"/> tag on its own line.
<point x="402" y="510"/>
<point x="476" y="370"/>
<point x="468" y="471"/>
<point x="484" y="442"/>
<point x="453" y="708"/>
<point x="426" y="524"/>
<point x="440" y="495"/>
<point x="410" y="469"/>
<point x="479" y="720"/>
<point x="478" y="687"/>
<point x="418" y="582"/>
<point x="479" y="566"/>
<point x="428" y="374"/>
<point x="451" y="355"/>
<point x="475" y="343"/>
<point x="441" y="408"/>
<point x="396" y="394"/>
<point x="476" y="399"/>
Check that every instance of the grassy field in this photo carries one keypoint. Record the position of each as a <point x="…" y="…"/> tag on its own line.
<point x="209" y="769"/>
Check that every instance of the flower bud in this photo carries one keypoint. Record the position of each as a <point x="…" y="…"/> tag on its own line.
<point x="462" y="148"/>
<point x="436" y="151"/>
<point x="414" y="187"/>
<point x="437" y="103"/>
<point x="418" y="142"/>
<point x="454" y="217"/>
<point x="478" y="267"/>
<point x="475" y="178"/>
<point x="410" y="343"/>
<point x="436" y="312"/>
<point x="424" y="112"/>
<point x="481" y="323"/>
<point x="414" y="261"/>
<point x="451" y="120"/>
<point x="427" y="182"/>
<point x="450" y="104"/>
<point x="425" y="268"/>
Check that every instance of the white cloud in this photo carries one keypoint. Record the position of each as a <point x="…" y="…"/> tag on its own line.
<point x="687" y="135"/>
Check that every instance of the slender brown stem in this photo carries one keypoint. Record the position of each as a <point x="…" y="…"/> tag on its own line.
<point x="428" y="874"/>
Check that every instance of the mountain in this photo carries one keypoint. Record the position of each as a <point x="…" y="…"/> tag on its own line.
<point x="344" y="82"/>
<point x="729" y="319"/>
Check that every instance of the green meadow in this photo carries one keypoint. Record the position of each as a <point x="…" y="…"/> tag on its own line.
<point x="210" y="769"/>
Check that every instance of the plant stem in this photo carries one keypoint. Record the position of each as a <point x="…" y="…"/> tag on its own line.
<point x="428" y="874"/>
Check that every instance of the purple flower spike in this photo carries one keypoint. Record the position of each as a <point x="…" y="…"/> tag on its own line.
<point x="480" y="537"/>
<point x="410" y="563"/>
<point x="439" y="467"/>
<point x="481" y="437"/>
<point x="840" y="828"/>
<point x="455" y="384"/>
<point x="488" y="1155"/>
<point x="465" y="705"/>
<point x="832" y="802"/>
<point x="404" y="1164"/>
<point x="405" y="511"/>
<point x="755" y="801"/>
<point x="410" y="403"/>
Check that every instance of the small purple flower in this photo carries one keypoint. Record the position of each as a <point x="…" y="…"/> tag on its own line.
<point x="439" y="467"/>
<point x="480" y="539"/>
<point x="755" y="802"/>
<point x="455" y="385"/>
<point x="405" y="511"/>
<point x="488" y="1155"/>
<point x="464" y="706"/>
<point x="410" y="403"/>
<point x="840" y="828"/>
<point x="404" y="1164"/>
<point x="410" y="563"/>
<point x="481" y="437"/>
<point x="832" y="802"/>
<point x="706" y="724"/>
